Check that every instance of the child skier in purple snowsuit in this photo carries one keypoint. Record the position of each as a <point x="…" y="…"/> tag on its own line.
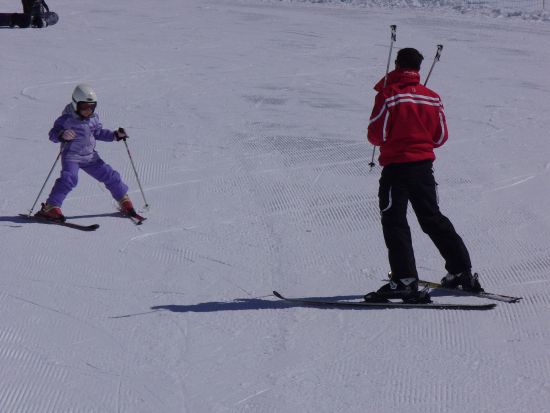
<point x="77" y="129"/>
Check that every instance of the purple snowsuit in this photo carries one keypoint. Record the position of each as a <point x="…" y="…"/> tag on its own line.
<point x="80" y="154"/>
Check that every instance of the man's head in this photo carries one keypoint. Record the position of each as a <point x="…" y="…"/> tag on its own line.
<point x="408" y="58"/>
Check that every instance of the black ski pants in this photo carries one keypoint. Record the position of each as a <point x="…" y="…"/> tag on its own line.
<point x="414" y="182"/>
<point x="27" y="5"/>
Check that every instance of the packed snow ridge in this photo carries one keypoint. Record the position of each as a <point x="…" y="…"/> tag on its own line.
<point x="525" y="9"/>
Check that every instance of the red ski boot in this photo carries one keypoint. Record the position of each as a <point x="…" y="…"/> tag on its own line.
<point x="126" y="206"/>
<point x="51" y="212"/>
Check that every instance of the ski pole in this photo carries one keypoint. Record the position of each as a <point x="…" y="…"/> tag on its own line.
<point x="393" y="35"/>
<point x="393" y="38"/>
<point x="134" y="168"/>
<point x="436" y="59"/>
<point x="47" y="179"/>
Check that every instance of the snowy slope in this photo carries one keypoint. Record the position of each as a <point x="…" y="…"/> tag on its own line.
<point x="247" y="126"/>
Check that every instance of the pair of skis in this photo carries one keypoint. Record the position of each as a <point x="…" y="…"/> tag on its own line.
<point x="321" y="302"/>
<point x="136" y="219"/>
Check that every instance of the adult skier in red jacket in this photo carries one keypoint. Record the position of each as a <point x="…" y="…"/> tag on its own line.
<point x="407" y="123"/>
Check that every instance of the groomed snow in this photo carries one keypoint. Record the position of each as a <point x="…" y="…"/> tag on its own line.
<point x="247" y="122"/>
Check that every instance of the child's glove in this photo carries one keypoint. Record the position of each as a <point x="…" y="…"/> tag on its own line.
<point x="68" y="135"/>
<point x="120" y="135"/>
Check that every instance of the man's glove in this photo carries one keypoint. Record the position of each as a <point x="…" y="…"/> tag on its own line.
<point x="67" y="135"/>
<point x="120" y="135"/>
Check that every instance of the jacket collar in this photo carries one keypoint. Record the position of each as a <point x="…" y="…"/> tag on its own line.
<point x="399" y="76"/>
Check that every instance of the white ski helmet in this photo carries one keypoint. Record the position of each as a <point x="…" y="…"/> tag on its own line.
<point x="83" y="93"/>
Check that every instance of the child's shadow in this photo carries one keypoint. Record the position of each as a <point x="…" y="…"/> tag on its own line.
<point x="17" y="221"/>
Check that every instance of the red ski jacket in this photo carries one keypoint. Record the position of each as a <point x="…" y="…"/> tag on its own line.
<point x="407" y="120"/>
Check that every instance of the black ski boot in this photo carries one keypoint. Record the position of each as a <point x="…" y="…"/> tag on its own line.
<point x="466" y="280"/>
<point x="38" y="13"/>
<point x="405" y="289"/>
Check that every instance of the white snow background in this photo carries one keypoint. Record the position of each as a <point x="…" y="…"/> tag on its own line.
<point x="247" y="124"/>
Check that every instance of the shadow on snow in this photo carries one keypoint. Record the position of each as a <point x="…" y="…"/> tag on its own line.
<point x="17" y="219"/>
<point x="244" y="304"/>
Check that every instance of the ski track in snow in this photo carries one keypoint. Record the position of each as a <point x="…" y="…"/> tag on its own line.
<point x="247" y="123"/>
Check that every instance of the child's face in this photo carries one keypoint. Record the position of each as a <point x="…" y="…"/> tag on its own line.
<point x="86" y="109"/>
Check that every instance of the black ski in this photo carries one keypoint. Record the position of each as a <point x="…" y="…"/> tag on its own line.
<point x="490" y="296"/>
<point x="92" y="227"/>
<point x="320" y="302"/>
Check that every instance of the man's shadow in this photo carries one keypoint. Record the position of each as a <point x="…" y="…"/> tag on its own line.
<point x="241" y="304"/>
<point x="235" y="305"/>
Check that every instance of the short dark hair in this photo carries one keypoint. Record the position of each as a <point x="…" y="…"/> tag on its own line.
<point x="409" y="58"/>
